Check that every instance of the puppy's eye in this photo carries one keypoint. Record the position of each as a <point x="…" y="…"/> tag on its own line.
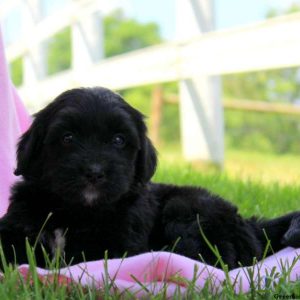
<point x="67" y="139"/>
<point x="119" y="140"/>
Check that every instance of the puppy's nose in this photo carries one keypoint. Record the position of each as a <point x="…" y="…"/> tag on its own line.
<point x="94" y="173"/>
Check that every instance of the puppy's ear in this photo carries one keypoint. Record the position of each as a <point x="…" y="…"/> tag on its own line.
<point x="146" y="161"/>
<point x="29" y="150"/>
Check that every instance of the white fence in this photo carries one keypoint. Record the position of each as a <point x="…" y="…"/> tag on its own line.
<point x="196" y="62"/>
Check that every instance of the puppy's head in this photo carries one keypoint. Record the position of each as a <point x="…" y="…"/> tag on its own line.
<point x="87" y="146"/>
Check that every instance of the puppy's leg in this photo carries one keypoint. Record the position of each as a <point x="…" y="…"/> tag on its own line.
<point x="282" y="231"/>
<point x="13" y="245"/>
<point x="13" y="235"/>
<point x="292" y="236"/>
<point x="184" y="237"/>
<point x="188" y="210"/>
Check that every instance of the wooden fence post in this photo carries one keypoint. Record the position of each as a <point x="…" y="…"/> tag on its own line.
<point x="156" y="113"/>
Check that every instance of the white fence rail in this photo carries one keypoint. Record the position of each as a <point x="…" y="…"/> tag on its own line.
<point x="52" y="24"/>
<point x="271" y="44"/>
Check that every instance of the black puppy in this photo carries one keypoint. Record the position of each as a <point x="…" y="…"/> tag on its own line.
<point x="86" y="159"/>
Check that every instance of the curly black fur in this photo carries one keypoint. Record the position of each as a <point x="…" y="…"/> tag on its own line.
<point x="87" y="160"/>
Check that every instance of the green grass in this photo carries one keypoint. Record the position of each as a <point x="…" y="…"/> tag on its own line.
<point x="254" y="165"/>
<point x="251" y="196"/>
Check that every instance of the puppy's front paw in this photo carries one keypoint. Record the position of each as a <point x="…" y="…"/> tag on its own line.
<point x="292" y="236"/>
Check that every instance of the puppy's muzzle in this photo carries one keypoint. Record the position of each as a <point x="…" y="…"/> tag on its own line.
<point x="94" y="173"/>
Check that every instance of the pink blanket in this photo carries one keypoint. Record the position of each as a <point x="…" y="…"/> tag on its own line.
<point x="163" y="271"/>
<point x="13" y="121"/>
<point x="154" y="270"/>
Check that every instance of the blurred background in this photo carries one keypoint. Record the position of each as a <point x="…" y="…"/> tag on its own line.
<point x="219" y="81"/>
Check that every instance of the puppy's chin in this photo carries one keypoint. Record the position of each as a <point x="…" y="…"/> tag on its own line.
<point x="90" y="195"/>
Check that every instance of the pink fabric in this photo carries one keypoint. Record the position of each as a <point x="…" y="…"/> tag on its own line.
<point x="154" y="270"/>
<point x="13" y="121"/>
<point x="164" y="271"/>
